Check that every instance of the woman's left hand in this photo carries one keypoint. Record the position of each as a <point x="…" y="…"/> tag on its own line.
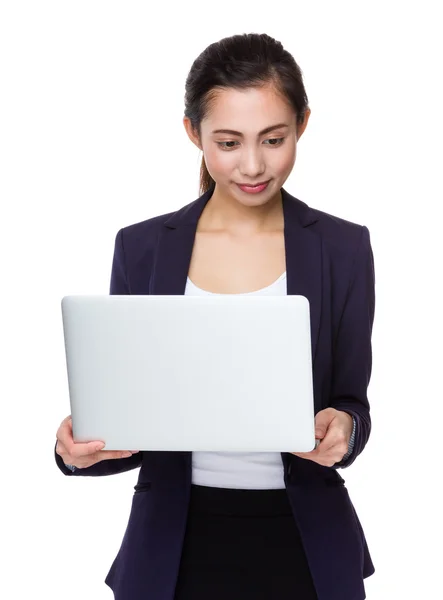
<point x="334" y="428"/>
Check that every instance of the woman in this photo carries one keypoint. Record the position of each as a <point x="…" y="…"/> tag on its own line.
<point x="210" y="525"/>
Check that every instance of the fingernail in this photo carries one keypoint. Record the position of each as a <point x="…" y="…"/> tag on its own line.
<point x="100" y="447"/>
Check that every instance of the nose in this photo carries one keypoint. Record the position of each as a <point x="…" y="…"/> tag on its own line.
<point x="252" y="164"/>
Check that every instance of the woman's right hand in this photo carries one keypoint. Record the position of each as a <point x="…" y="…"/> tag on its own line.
<point x="83" y="454"/>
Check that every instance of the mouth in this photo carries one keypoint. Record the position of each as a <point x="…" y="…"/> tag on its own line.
<point x="258" y="187"/>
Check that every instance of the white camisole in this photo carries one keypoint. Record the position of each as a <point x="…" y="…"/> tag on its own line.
<point x="247" y="470"/>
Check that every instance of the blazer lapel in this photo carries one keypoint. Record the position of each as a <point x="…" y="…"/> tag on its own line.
<point x="174" y="249"/>
<point x="303" y="254"/>
<point x="303" y="260"/>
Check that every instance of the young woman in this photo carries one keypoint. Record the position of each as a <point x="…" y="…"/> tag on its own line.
<point x="219" y="525"/>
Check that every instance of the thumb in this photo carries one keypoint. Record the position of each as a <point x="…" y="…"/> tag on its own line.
<point x="322" y="420"/>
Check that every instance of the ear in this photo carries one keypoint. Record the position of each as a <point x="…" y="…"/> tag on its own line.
<point x="193" y="136"/>
<point x="302" y="126"/>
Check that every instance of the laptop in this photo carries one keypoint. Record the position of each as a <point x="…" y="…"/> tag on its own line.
<point x="190" y="373"/>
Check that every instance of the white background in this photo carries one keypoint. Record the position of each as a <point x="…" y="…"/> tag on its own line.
<point x="91" y="140"/>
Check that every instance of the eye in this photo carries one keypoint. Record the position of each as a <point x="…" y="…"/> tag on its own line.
<point x="225" y="147"/>
<point x="279" y="142"/>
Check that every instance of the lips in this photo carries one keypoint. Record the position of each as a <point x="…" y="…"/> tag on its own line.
<point x="256" y="189"/>
<point x="252" y="185"/>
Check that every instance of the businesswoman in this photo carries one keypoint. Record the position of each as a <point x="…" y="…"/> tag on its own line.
<point x="218" y="525"/>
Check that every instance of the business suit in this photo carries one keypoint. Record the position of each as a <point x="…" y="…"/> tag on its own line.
<point x="328" y="260"/>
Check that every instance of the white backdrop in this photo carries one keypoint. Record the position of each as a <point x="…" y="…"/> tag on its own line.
<point x="91" y="140"/>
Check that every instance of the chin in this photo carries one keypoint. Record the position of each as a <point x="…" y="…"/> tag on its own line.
<point x="253" y="201"/>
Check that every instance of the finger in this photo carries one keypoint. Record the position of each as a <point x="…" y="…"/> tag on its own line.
<point x="313" y="452"/>
<point x="64" y="432"/>
<point x="112" y="454"/>
<point x="88" y="461"/>
<point x="336" y="452"/>
<point x="332" y="455"/>
<point x="66" y="425"/>
<point x="78" y="449"/>
<point x="317" y="455"/>
<point x="60" y="448"/>
<point x="335" y="437"/>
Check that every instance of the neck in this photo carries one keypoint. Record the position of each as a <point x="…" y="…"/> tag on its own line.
<point x="225" y="213"/>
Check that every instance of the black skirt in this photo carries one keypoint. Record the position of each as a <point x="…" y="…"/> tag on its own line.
<point x="242" y="544"/>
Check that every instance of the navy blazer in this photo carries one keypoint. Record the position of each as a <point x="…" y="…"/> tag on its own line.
<point x="329" y="260"/>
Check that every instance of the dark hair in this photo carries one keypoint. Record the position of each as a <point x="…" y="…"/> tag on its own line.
<point x="241" y="61"/>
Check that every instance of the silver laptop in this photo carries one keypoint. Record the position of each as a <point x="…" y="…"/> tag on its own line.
<point x="190" y="373"/>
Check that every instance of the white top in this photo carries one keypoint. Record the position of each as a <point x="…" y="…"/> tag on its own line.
<point x="247" y="470"/>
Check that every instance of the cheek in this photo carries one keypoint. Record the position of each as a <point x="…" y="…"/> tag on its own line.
<point x="218" y="162"/>
<point x="284" y="162"/>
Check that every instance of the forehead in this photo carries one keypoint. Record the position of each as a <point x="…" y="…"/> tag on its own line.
<point x="248" y="110"/>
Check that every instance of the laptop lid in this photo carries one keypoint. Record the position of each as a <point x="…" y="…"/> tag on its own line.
<point x="190" y="373"/>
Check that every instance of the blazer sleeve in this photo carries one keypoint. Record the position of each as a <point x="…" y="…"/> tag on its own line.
<point x="119" y="286"/>
<point x="352" y="352"/>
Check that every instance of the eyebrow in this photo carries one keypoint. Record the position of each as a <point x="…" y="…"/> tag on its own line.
<point x="266" y="130"/>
